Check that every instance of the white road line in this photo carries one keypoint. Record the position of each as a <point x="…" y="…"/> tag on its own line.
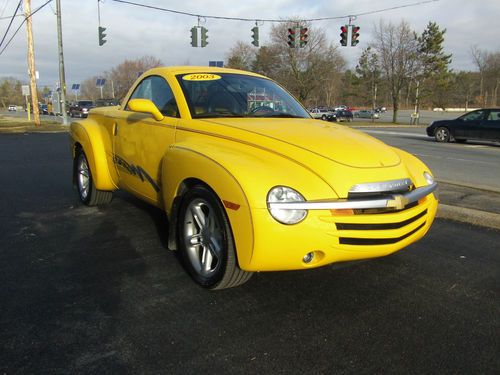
<point x="456" y="159"/>
<point x="416" y="135"/>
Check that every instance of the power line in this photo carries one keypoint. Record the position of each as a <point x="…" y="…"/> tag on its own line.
<point x="10" y="23"/>
<point x="22" y="23"/>
<point x="271" y="20"/>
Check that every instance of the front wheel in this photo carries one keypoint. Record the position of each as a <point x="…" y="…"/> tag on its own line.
<point x="87" y="191"/>
<point x="442" y="134"/>
<point x="206" y="243"/>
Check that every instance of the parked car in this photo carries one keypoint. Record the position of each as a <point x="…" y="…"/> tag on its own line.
<point x="482" y="124"/>
<point x="343" y="115"/>
<point x="380" y="110"/>
<point x="106" y="102"/>
<point x="12" y="108"/>
<point x="81" y="108"/>
<point x="249" y="188"/>
<point x="364" y="113"/>
<point x="322" y="113"/>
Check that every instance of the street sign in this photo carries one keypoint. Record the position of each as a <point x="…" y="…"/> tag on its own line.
<point x="100" y="82"/>
<point x="75" y="86"/>
<point x="218" y="64"/>
<point x="25" y="89"/>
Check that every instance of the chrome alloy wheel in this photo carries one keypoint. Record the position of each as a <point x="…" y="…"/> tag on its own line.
<point x="203" y="237"/>
<point x="442" y="135"/>
<point x="83" y="177"/>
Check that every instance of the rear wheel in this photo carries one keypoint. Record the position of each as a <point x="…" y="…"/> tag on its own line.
<point x="206" y="243"/>
<point x="87" y="191"/>
<point x="442" y="134"/>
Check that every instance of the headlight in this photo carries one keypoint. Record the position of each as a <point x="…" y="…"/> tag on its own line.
<point x="428" y="177"/>
<point x="283" y="194"/>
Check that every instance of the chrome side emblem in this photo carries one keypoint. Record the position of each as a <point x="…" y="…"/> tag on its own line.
<point x="383" y="186"/>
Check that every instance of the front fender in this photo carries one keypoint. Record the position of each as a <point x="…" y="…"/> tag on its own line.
<point x="241" y="176"/>
<point x="97" y="146"/>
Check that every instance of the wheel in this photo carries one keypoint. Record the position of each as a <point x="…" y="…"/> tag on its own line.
<point x="87" y="192"/>
<point x="323" y="117"/>
<point x="442" y="134"/>
<point x="205" y="241"/>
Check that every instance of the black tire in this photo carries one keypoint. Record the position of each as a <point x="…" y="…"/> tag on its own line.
<point x="87" y="192"/>
<point x="206" y="243"/>
<point x="442" y="134"/>
<point x="323" y="117"/>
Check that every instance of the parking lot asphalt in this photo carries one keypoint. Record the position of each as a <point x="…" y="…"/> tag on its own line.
<point x="94" y="290"/>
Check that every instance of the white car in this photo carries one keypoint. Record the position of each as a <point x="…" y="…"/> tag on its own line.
<point x="12" y="107"/>
<point x="322" y="113"/>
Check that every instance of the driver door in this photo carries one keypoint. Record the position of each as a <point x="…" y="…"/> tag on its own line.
<point x="140" y="141"/>
<point x="469" y="126"/>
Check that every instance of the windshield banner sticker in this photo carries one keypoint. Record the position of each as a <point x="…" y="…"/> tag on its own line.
<point x="201" y="77"/>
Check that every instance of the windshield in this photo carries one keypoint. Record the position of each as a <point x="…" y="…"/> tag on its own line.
<point x="235" y="95"/>
<point x="85" y="103"/>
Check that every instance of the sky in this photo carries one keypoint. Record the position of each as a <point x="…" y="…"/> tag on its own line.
<point x="133" y="32"/>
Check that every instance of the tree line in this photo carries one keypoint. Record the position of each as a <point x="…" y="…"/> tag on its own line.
<point x="399" y="68"/>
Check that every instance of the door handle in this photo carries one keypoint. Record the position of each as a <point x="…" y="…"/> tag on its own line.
<point x="115" y="129"/>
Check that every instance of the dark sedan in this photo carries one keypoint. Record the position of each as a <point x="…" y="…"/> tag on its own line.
<point x="480" y="124"/>
<point x="343" y="115"/>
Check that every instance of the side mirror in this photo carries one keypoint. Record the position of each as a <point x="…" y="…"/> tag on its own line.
<point x="145" y="106"/>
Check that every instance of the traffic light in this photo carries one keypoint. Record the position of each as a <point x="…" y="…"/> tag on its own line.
<point x="102" y="35"/>
<point x="194" y="36"/>
<point x="354" y="35"/>
<point x="291" y="38"/>
<point x="303" y="36"/>
<point x="255" y="36"/>
<point x="343" y="35"/>
<point x="204" y="36"/>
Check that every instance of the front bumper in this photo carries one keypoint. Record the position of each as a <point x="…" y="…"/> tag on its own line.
<point x="341" y="230"/>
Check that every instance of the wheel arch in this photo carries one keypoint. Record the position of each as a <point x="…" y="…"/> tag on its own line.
<point x="87" y="136"/>
<point x="185" y="167"/>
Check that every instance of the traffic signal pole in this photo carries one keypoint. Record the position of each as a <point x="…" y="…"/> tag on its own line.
<point x="62" y="78"/>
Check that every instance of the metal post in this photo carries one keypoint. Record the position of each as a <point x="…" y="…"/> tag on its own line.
<point x="62" y="78"/>
<point x="416" y="104"/>
<point x="31" y="62"/>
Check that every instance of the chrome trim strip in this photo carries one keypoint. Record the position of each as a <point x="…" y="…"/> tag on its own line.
<point x="397" y="201"/>
<point x="383" y="186"/>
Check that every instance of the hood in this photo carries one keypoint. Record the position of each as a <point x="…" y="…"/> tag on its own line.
<point x="337" y="143"/>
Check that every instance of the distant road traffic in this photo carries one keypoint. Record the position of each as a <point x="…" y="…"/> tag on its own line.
<point x="472" y="163"/>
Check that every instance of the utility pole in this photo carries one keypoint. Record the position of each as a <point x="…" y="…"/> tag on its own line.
<point x="62" y="78"/>
<point x="31" y="62"/>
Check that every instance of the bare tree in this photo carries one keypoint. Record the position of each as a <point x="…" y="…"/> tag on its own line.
<point x="396" y="46"/>
<point x="241" y="56"/>
<point x="479" y="58"/>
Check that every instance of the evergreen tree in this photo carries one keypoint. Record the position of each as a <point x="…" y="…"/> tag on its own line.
<point x="435" y="79"/>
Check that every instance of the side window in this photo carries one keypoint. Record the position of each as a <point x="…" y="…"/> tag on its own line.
<point x="157" y="90"/>
<point x="473" y="116"/>
<point x="494" y="115"/>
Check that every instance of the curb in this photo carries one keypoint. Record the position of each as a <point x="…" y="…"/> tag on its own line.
<point x="469" y="215"/>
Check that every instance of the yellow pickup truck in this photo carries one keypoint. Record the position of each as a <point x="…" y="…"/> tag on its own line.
<point x="249" y="181"/>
